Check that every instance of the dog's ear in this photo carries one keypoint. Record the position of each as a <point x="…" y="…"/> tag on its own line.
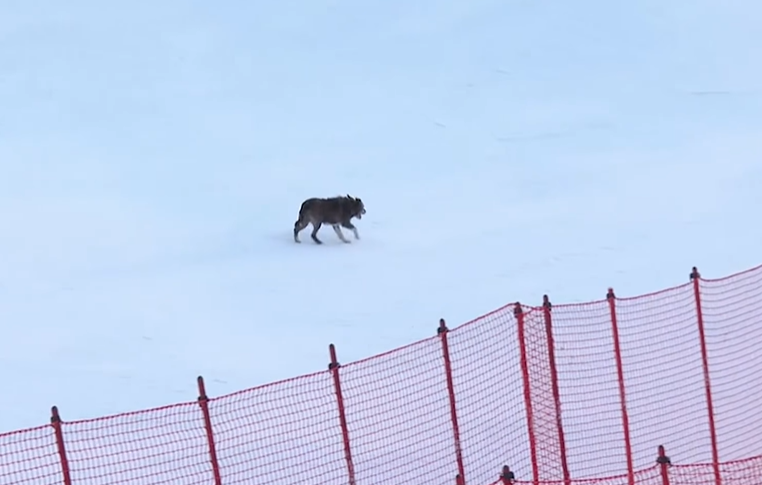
<point x="349" y="197"/>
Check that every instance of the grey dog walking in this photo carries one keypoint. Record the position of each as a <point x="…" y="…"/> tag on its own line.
<point x="336" y="211"/>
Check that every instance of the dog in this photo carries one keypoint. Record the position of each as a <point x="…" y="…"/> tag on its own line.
<point x="336" y="211"/>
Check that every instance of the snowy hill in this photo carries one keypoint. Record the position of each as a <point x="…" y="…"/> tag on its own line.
<point x="153" y="158"/>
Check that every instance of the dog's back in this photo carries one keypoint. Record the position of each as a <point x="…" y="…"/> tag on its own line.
<point x="333" y="210"/>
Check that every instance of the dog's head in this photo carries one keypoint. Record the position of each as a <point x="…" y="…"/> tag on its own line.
<point x="357" y="206"/>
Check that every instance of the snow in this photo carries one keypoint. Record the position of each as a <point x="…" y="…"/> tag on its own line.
<point x="153" y="157"/>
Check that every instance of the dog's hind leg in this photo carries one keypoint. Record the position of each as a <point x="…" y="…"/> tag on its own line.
<point x="315" y="229"/>
<point x="351" y="226"/>
<point x="337" y="228"/>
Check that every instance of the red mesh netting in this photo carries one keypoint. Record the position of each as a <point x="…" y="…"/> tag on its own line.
<point x="29" y="457"/>
<point x="732" y="309"/>
<point x="664" y="378"/>
<point x="275" y="433"/>
<point x="398" y="415"/>
<point x="399" y="426"/>
<point x="540" y="381"/>
<point x="588" y="384"/>
<point x="490" y="396"/>
<point x="648" y="476"/>
<point x="742" y="472"/>
<point x="161" y="446"/>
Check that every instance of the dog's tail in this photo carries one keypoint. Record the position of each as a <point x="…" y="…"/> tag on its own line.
<point x="304" y="210"/>
<point x="306" y="205"/>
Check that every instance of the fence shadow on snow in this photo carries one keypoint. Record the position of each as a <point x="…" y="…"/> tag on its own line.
<point x="587" y="394"/>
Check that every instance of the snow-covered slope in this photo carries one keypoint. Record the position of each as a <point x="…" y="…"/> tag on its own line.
<point x="153" y="157"/>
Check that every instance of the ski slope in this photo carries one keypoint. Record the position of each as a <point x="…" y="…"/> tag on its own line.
<point x="153" y="157"/>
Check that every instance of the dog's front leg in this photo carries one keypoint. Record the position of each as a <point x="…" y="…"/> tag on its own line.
<point x="351" y="226"/>
<point x="339" y="233"/>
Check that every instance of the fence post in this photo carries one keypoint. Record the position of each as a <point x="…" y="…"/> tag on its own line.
<point x="506" y="476"/>
<point x="442" y="332"/>
<point x="546" y="310"/>
<point x="611" y="298"/>
<point x="333" y="366"/>
<point x="203" y="402"/>
<point x="518" y="312"/>
<point x="696" y="279"/>
<point x="664" y="463"/>
<point x="55" y="420"/>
